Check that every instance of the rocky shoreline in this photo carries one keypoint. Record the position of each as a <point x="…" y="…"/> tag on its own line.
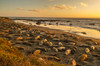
<point x="53" y="44"/>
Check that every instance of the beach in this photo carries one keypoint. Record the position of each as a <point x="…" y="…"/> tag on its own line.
<point x="77" y="28"/>
<point x="52" y="44"/>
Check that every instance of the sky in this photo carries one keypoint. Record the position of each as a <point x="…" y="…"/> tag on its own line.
<point x="50" y="8"/>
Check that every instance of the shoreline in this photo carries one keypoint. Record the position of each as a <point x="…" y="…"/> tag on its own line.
<point x="85" y="32"/>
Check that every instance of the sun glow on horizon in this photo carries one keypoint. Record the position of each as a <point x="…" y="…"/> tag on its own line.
<point x="50" y="8"/>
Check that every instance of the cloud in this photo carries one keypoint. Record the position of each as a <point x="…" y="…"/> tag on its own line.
<point x="20" y="8"/>
<point x="35" y="10"/>
<point x="62" y="7"/>
<point x="50" y="0"/>
<point x="83" y="4"/>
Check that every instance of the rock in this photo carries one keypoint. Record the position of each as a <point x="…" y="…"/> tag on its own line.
<point x="55" y="49"/>
<point x="87" y="50"/>
<point x="61" y="48"/>
<point x="67" y="52"/>
<point x="37" y="52"/>
<point x="83" y="57"/>
<point x="60" y="44"/>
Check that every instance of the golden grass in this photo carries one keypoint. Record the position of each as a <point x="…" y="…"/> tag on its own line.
<point x="11" y="56"/>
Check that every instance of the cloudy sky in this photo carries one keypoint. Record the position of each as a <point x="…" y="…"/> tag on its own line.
<point x="50" y="8"/>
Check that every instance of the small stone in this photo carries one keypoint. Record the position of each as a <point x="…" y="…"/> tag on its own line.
<point x="37" y="52"/>
<point x="67" y="52"/>
<point x="87" y="50"/>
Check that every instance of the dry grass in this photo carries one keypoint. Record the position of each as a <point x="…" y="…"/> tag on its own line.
<point x="11" y="56"/>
